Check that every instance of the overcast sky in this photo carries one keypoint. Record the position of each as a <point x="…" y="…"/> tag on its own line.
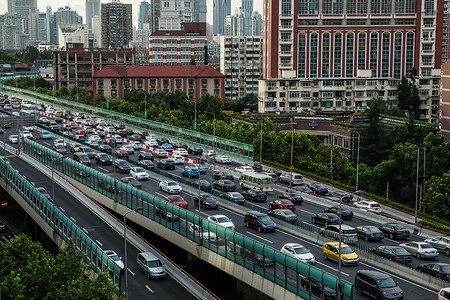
<point x="78" y="5"/>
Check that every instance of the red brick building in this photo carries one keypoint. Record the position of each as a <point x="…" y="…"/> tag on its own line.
<point x="115" y="81"/>
<point x="444" y="113"/>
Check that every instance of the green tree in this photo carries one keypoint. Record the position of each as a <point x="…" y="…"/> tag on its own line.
<point x="30" y="54"/>
<point x="437" y="196"/>
<point x="408" y="98"/>
<point x="206" y="55"/>
<point x="30" y="272"/>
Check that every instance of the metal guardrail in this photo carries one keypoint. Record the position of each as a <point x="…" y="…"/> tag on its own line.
<point x="284" y="270"/>
<point x="232" y="148"/>
<point x="95" y="257"/>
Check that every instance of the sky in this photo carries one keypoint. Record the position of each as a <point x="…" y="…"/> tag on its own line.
<point x="78" y="5"/>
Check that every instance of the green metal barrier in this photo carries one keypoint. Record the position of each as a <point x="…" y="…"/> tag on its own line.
<point x="95" y="256"/>
<point x="230" y="147"/>
<point x="260" y="258"/>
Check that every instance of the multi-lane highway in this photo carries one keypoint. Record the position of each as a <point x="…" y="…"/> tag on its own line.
<point x="278" y="238"/>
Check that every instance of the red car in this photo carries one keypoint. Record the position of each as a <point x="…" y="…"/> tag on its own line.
<point x="122" y="153"/>
<point x="283" y="204"/>
<point x="177" y="200"/>
<point x="81" y="132"/>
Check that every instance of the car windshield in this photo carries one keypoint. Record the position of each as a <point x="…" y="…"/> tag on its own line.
<point x="226" y="174"/>
<point x="294" y="194"/>
<point x="372" y="229"/>
<point x="400" y="251"/>
<point x="375" y="205"/>
<point x="123" y="164"/>
<point x="263" y="218"/>
<point x="115" y="257"/>
<point x="154" y="264"/>
<point x="346" y="250"/>
<point x="287" y="212"/>
<point x="350" y="231"/>
<point x="178" y="199"/>
<point x="297" y="176"/>
<point x="386" y="282"/>
<point x="397" y="227"/>
<point x="132" y="180"/>
<point x="172" y="183"/>
<point x="301" y="250"/>
<point x="223" y="219"/>
<point x="139" y="170"/>
<point x="445" y="268"/>
<point x="208" y="197"/>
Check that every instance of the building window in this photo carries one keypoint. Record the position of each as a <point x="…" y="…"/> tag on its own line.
<point x="139" y="83"/>
<point x="127" y="83"/>
<point x="385" y="54"/>
<point x="308" y="7"/>
<point x="397" y="55"/>
<point x="113" y="83"/>
<point x="216" y="92"/>
<point x="216" y="83"/>
<point x="178" y="83"/>
<point x="165" y="83"/>
<point x="345" y="143"/>
<point x="409" y="54"/>
<point x="335" y="140"/>
<point x="332" y="7"/>
<point x="301" y="55"/>
<point x="373" y="63"/>
<point x="113" y="93"/>
<point x="100" y="83"/>
<point x="313" y="55"/>
<point x="362" y="51"/>
<point x="337" y="54"/>
<point x="326" y="55"/>
<point x="286" y="7"/>
<point x="191" y="82"/>
<point x="153" y="83"/>
<point x="349" y="55"/>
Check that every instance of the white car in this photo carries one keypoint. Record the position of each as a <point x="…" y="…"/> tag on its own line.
<point x="170" y="186"/>
<point x="28" y="128"/>
<point x="222" y="220"/>
<point x="92" y="143"/>
<point x="139" y="173"/>
<point x="179" y="160"/>
<point x="223" y="159"/>
<point x="210" y="152"/>
<point x="203" y="233"/>
<point x="297" y="179"/>
<point x="118" y="139"/>
<point x="180" y="152"/>
<point x="59" y="141"/>
<point x="136" y="145"/>
<point x="95" y="138"/>
<point x="151" y="143"/>
<point x="13" y="138"/>
<point x="244" y="169"/>
<point x="298" y="251"/>
<point x="420" y="249"/>
<point x="160" y="153"/>
<point x="128" y="148"/>
<point x="369" y="205"/>
<point x="26" y="134"/>
<point x="115" y="257"/>
<point x="444" y="294"/>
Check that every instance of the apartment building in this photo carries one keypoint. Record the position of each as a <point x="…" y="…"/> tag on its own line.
<point x="76" y="65"/>
<point x="117" y="27"/>
<point x="240" y="61"/>
<point x="116" y="81"/>
<point x="178" y="47"/>
<point x="322" y="55"/>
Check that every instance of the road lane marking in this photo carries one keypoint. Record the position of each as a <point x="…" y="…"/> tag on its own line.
<point x="255" y="235"/>
<point x="46" y="143"/>
<point x="73" y="219"/>
<point x="201" y="212"/>
<point x="149" y="288"/>
<point x="99" y="243"/>
<point x="84" y="229"/>
<point x="62" y="209"/>
<point x="130" y="271"/>
<point x="388" y="239"/>
<point x="159" y="194"/>
<point x="103" y="169"/>
<point x="334" y="269"/>
<point x="32" y="183"/>
<point x="306" y="211"/>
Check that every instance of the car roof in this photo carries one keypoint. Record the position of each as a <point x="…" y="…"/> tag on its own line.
<point x="374" y="273"/>
<point x="336" y="244"/>
<point x="295" y="245"/>
<point x="343" y="226"/>
<point x="256" y="213"/>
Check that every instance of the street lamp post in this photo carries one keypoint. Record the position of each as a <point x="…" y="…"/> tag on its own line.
<point x="112" y="150"/>
<point x="357" y="161"/>
<point x="214" y="132"/>
<point x="125" y="238"/>
<point x="292" y="156"/>
<point x="417" y="181"/>
<point x="261" y="144"/>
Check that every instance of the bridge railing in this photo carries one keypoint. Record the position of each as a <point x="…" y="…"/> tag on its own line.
<point x="230" y="147"/>
<point x="288" y="272"/>
<point x="94" y="255"/>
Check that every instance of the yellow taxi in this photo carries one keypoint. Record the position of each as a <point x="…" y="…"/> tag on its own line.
<point x="348" y="256"/>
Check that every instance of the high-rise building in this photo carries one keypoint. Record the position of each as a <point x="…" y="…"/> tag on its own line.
<point x="336" y="55"/>
<point x="244" y="24"/>
<point x="174" y="13"/>
<point x="144" y="8"/>
<point x="154" y="14"/>
<point x="50" y="20"/>
<point x="221" y="9"/>
<point x="247" y="6"/>
<point x="65" y="15"/>
<point x="240" y="62"/>
<point x="22" y="7"/>
<point x="446" y="32"/>
<point x="117" y="27"/>
<point x="92" y="10"/>
<point x="10" y="26"/>
<point x="199" y="10"/>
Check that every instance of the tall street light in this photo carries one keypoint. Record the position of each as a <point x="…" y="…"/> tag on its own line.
<point x="417" y="181"/>
<point x="357" y="161"/>
<point x="261" y="144"/>
<point x="214" y="132"/>
<point x="291" y="168"/>
<point x="125" y="237"/>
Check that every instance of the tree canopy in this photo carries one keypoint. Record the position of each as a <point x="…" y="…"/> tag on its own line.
<point x="30" y="272"/>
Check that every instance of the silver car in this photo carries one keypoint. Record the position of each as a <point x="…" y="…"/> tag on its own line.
<point x="420" y="249"/>
<point x="441" y="243"/>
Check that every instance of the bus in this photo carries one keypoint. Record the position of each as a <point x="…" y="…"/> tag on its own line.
<point x="256" y="181"/>
<point x="28" y="110"/>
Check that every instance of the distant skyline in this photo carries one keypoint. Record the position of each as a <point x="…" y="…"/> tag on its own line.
<point x="79" y="6"/>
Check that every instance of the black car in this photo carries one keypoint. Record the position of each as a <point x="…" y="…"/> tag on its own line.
<point x="326" y="219"/>
<point x="394" y="253"/>
<point x="284" y="214"/>
<point x="255" y="258"/>
<point x="195" y="151"/>
<point x="75" y="147"/>
<point x="103" y="159"/>
<point x="257" y="167"/>
<point x="293" y="196"/>
<point x="128" y="131"/>
<point x="319" y="188"/>
<point x="122" y="133"/>
<point x="440" y="270"/>
<point x="340" y="196"/>
<point x="254" y="195"/>
<point x="347" y="213"/>
<point x="224" y="185"/>
<point x="166" y="164"/>
<point x="206" y="201"/>
<point x="305" y="188"/>
<point x="145" y="155"/>
<point x="369" y="233"/>
<point x="217" y="175"/>
<point x="205" y="185"/>
<point x="122" y="166"/>
<point x="132" y="181"/>
<point x="317" y="289"/>
<point x="105" y="148"/>
<point x="136" y="137"/>
<point x="394" y="231"/>
<point x="259" y="220"/>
